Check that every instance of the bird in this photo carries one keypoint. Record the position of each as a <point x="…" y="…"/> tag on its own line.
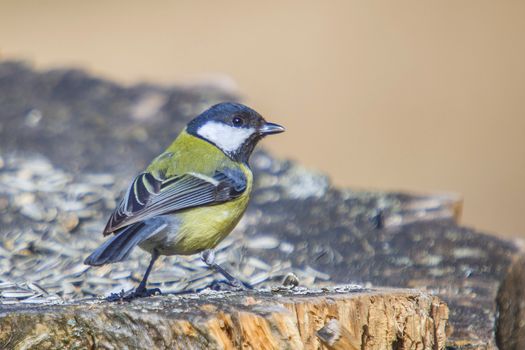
<point x="191" y="196"/>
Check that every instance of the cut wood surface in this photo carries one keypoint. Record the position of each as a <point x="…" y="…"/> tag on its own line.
<point x="302" y="319"/>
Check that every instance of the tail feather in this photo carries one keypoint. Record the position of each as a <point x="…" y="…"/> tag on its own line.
<point x="119" y="246"/>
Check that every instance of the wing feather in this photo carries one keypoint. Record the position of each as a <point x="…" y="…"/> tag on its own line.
<point x="148" y="196"/>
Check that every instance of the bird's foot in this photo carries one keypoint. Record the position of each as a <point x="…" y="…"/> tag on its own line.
<point x="235" y="285"/>
<point x="144" y="293"/>
<point x="130" y="295"/>
<point x="208" y="257"/>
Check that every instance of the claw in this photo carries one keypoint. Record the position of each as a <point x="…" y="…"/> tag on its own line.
<point x="130" y="295"/>
<point x="146" y="292"/>
<point x="234" y="285"/>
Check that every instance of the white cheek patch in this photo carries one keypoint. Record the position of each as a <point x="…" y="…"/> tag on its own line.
<point x="226" y="137"/>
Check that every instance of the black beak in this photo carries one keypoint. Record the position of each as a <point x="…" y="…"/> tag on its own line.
<point x="270" y="128"/>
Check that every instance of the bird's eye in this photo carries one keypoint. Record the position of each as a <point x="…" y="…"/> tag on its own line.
<point x="237" y="121"/>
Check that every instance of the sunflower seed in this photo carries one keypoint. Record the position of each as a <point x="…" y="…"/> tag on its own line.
<point x="259" y="264"/>
<point x="19" y="294"/>
<point x="264" y="242"/>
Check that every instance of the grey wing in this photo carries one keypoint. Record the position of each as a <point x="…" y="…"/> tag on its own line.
<point x="148" y="196"/>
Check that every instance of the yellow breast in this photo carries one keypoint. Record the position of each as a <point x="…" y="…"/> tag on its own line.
<point x="205" y="227"/>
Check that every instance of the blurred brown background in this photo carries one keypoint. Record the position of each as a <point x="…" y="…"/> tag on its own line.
<point x="411" y="95"/>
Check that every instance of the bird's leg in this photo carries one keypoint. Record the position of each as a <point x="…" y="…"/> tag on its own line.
<point x="141" y="290"/>
<point x="208" y="256"/>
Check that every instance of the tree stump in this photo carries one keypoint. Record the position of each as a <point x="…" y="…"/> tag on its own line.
<point x="71" y="142"/>
<point x="363" y="319"/>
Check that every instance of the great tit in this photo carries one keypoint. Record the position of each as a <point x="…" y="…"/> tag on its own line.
<point x="192" y="195"/>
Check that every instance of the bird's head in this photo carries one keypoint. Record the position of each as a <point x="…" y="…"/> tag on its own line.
<point x="232" y="127"/>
